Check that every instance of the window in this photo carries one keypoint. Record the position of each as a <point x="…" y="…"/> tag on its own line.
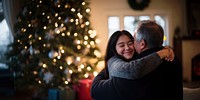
<point x="4" y="34"/>
<point x="130" y="22"/>
<point x="113" y="24"/>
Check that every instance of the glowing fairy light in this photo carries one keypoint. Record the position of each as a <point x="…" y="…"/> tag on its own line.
<point x="79" y="69"/>
<point x="78" y="47"/>
<point x="30" y="36"/>
<point x="63" y="34"/>
<point x="71" y="20"/>
<point x="66" y="6"/>
<point x="69" y="60"/>
<point x="70" y="71"/>
<point x="39" y="38"/>
<point x="97" y="41"/>
<point x="68" y="33"/>
<point x="29" y="25"/>
<point x="62" y="51"/>
<point x="58" y="57"/>
<point x="23" y="30"/>
<point x="35" y="72"/>
<point x="44" y="65"/>
<point x="87" y="23"/>
<point x="97" y="53"/>
<point x="88" y="46"/>
<point x="83" y="3"/>
<point x="90" y="31"/>
<point x="86" y="75"/>
<point x="73" y="10"/>
<point x="48" y="17"/>
<point x="87" y="10"/>
<point x="61" y="67"/>
<point x="82" y="66"/>
<point x="95" y="73"/>
<point x="56" y="14"/>
<point x="54" y="60"/>
<point x="44" y="27"/>
<point x="89" y="68"/>
<point x="44" y="45"/>
<point x="78" y="42"/>
<point x="59" y="18"/>
<point x="78" y="58"/>
<point x="85" y="42"/>
<point x="66" y="82"/>
<point x="39" y="82"/>
<point x="93" y="34"/>
<point x="79" y="15"/>
<point x="25" y="47"/>
<point x="75" y="34"/>
<point x="91" y="42"/>
<point x="82" y="25"/>
<point x="56" y="24"/>
<point x="86" y="37"/>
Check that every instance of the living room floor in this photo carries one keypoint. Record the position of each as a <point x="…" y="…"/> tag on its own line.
<point x="191" y="91"/>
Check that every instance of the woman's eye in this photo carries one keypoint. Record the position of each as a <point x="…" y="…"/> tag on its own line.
<point x="130" y="43"/>
<point x="122" y="45"/>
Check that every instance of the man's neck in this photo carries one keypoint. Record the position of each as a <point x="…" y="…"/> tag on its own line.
<point x="147" y="51"/>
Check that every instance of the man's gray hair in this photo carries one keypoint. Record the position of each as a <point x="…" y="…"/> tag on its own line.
<point x="151" y="33"/>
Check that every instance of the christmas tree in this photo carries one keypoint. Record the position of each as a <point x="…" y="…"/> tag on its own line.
<point x="54" y="45"/>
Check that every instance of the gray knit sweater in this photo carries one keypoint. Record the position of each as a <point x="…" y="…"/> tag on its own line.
<point x="133" y="69"/>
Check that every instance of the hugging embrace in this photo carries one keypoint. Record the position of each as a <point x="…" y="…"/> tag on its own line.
<point x="139" y="67"/>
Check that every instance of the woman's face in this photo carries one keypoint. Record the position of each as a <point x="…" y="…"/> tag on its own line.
<point x="125" y="47"/>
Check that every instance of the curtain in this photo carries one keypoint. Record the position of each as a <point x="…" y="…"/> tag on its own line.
<point x="10" y="10"/>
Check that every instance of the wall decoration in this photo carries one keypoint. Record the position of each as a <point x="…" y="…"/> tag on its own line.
<point x="138" y="4"/>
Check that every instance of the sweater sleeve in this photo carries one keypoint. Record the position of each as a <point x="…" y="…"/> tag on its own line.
<point x="133" y="69"/>
<point x="102" y="88"/>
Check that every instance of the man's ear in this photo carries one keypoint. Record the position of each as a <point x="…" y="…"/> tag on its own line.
<point x="142" y="44"/>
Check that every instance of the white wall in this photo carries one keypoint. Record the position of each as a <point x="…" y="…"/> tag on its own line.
<point x="100" y="10"/>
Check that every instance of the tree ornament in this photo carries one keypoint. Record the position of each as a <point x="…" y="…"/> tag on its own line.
<point x="66" y="71"/>
<point x="52" y="54"/>
<point x="24" y="11"/>
<point x="86" y="51"/>
<point x="66" y="20"/>
<point x="138" y="4"/>
<point x="31" y="50"/>
<point x="69" y="60"/>
<point x="23" y="52"/>
<point x="49" y="35"/>
<point x="56" y="2"/>
<point x="36" y="51"/>
<point x="48" y="77"/>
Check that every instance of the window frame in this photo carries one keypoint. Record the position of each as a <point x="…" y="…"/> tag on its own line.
<point x="121" y="14"/>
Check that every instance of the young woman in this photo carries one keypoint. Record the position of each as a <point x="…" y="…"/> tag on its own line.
<point x="121" y="46"/>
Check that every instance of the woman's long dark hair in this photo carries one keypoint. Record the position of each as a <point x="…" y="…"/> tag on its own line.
<point x="111" y="50"/>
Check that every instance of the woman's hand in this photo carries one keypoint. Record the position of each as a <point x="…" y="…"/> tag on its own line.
<point x="171" y="55"/>
<point x="167" y="53"/>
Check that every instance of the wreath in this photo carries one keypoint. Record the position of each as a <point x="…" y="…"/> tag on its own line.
<point x="138" y="4"/>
